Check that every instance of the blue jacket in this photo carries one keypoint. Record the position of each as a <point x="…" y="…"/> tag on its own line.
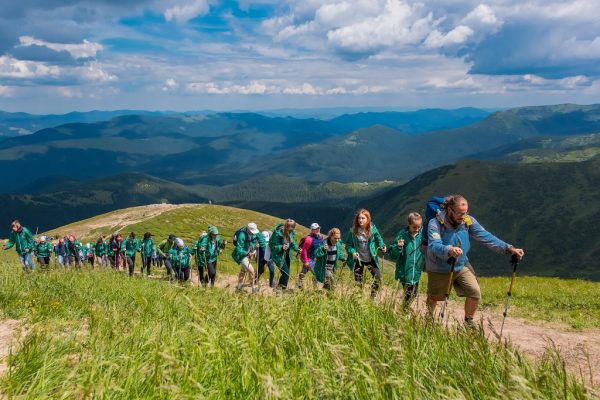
<point x="442" y="236"/>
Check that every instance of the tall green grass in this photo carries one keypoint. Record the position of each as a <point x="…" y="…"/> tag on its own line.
<point x="101" y="334"/>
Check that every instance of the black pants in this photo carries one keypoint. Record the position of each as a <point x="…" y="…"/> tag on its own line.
<point x="211" y="269"/>
<point x="44" y="261"/>
<point x="130" y="263"/>
<point x="182" y="274"/>
<point x="146" y="264"/>
<point x="410" y="292"/>
<point x="375" y="272"/>
<point x="261" y="268"/>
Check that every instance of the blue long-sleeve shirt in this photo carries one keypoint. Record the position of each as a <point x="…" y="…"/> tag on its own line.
<point x="442" y="236"/>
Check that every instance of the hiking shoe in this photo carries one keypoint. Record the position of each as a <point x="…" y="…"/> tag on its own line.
<point x="254" y="290"/>
<point x="469" y="324"/>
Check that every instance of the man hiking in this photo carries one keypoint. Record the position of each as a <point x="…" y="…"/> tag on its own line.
<point x="281" y="242"/>
<point x="60" y="252"/>
<point x="130" y="247"/>
<point x="163" y="250"/>
<point x="309" y="245"/>
<point x="448" y="236"/>
<point x="43" y="250"/>
<point x="180" y="256"/>
<point x="22" y="239"/>
<point x="100" y="252"/>
<point x="247" y="241"/>
<point x="147" y="249"/>
<point x="74" y="251"/>
<point x="406" y="251"/>
<point x="208" y="249"/>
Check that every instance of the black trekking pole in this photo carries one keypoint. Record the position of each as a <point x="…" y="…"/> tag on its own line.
<point x="514" y="260"/>
<point x="452" y="261"/>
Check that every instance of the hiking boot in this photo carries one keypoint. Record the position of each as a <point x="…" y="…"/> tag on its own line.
<point x="239" y="288"/>
<point x="469" y="324"/>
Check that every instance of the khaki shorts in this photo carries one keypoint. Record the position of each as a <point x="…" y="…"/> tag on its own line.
<point x="245" y="264"/>
<point x="465" y="283"/>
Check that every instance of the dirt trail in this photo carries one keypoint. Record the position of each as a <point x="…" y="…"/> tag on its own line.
<point x="8" y="330"/>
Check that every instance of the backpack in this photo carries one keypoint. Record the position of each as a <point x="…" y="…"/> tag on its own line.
<point x="432" y="210"/>
<point x="316" y="242"/>
<point x="236" y="235"/>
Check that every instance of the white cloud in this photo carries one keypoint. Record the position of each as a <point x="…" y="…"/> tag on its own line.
<point x="170" y="85"/>
<point x="19" y="69"/>
<point x="86" y="49"/>
<point x="254" y="87"/>
<point x="93" y="71"/>
<point x="185" y="10"/>
<point x="20" y="131"/>
<point x="456" y="36"/>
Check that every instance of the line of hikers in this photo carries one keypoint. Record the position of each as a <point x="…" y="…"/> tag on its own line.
<point x="440" y="249"/>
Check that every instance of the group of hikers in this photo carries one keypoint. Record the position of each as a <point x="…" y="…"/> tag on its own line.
<point x="438" y="244"/>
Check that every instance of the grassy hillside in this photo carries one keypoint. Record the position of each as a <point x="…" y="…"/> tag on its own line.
<point x="549" y="209"/>
<point x="101" y="335"/>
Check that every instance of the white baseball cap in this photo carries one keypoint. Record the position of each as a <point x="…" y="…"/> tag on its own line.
<point x="314" y="226"/>
<point x="179" y="242"/>
<point x="253" y="228"/>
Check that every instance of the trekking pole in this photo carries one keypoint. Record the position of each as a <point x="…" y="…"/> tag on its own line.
<point x="447" y="295"/>
<point x="514" y="260"/>
<point x="206" y="266"/>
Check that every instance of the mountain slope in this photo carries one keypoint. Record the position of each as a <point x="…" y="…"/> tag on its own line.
<point x="550" y="209"/>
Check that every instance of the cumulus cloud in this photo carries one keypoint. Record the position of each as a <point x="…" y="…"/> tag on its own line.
<point x="183" y="11"/>
<point x="6" y="91"/>
<point x="20" y="69"/>
<point x="170" y="85"/>
<point x="86" y="49"/>
<point x="254" y="87"/>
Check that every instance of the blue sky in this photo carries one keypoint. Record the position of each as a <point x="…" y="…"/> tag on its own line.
<point x="64" y="55"/>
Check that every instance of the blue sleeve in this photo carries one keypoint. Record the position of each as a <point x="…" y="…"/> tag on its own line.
<point x="434" y="237"/>
<point x="478" y="232"/>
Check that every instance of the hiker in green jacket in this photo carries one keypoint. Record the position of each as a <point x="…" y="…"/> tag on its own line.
<point x="326" y="257"/>
<point x="74" y="251"/>
<point x="409" y="260"/>
<point x="180" y="257"/>
<point x="283" y="239"/>
<point x="115" y="254"/>
<point x="362" y="243"/>
<point x="43" y="250"/>
<point x="130" y="246"/>
<point x="22" y="239"/>
<point x="247" y="241"/>
<point x="163" y="249"/>
<point x="147" y="248"/>
<point x="207" y="250"/>
<point x="100" y="252"/>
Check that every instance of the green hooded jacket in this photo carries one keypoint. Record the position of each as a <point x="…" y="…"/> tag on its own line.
<point x="76" y="247"/>
<point x="130" y="246"/>
<point x="164" y="247"/>
<point x="100" y="249"/>
<point x="180" y="259"/>
<point x="245" y="242"/>
<point x="147" y="248"/>
<point x="321" y="259"/>
<point x="210" y="254"/>
<point x="276" y="244"/>
<point x="43" y="249"/>
<point x="409" y="259"/>
<point x="375" y="242"/>
<point x="23" y="241"/>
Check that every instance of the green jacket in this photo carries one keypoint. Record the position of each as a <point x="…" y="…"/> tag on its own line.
<point x="43" y="250"/>
<point x="100" y="249"/>
<point x="23" y="241"/>
<point x="130" y="247"/>
<point x="180" y="259"/>
<point x="147" y="248"/>
<point x="409" y="259"/>
<point x="276" y="244"/>
<point x="245" y="242"/>
<point x="114" y="245"/>
<point x="164" y="247"/>
<point x="375" y="242"/>
<point x="76" y="247"/>
<point x="321" y="259"/>
<point x="210" y="254"/>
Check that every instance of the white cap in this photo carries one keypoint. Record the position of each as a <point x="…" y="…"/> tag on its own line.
<point x="179" y="242"/>
<point x="253" y="228"/>
<point x="266" y="235"/>
<point x="43" y="239"/>
<point x="314" y="226"/>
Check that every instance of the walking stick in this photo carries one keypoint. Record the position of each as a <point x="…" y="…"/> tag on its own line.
<point x="447" y="295"/>
<point x="514" y="260"/>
